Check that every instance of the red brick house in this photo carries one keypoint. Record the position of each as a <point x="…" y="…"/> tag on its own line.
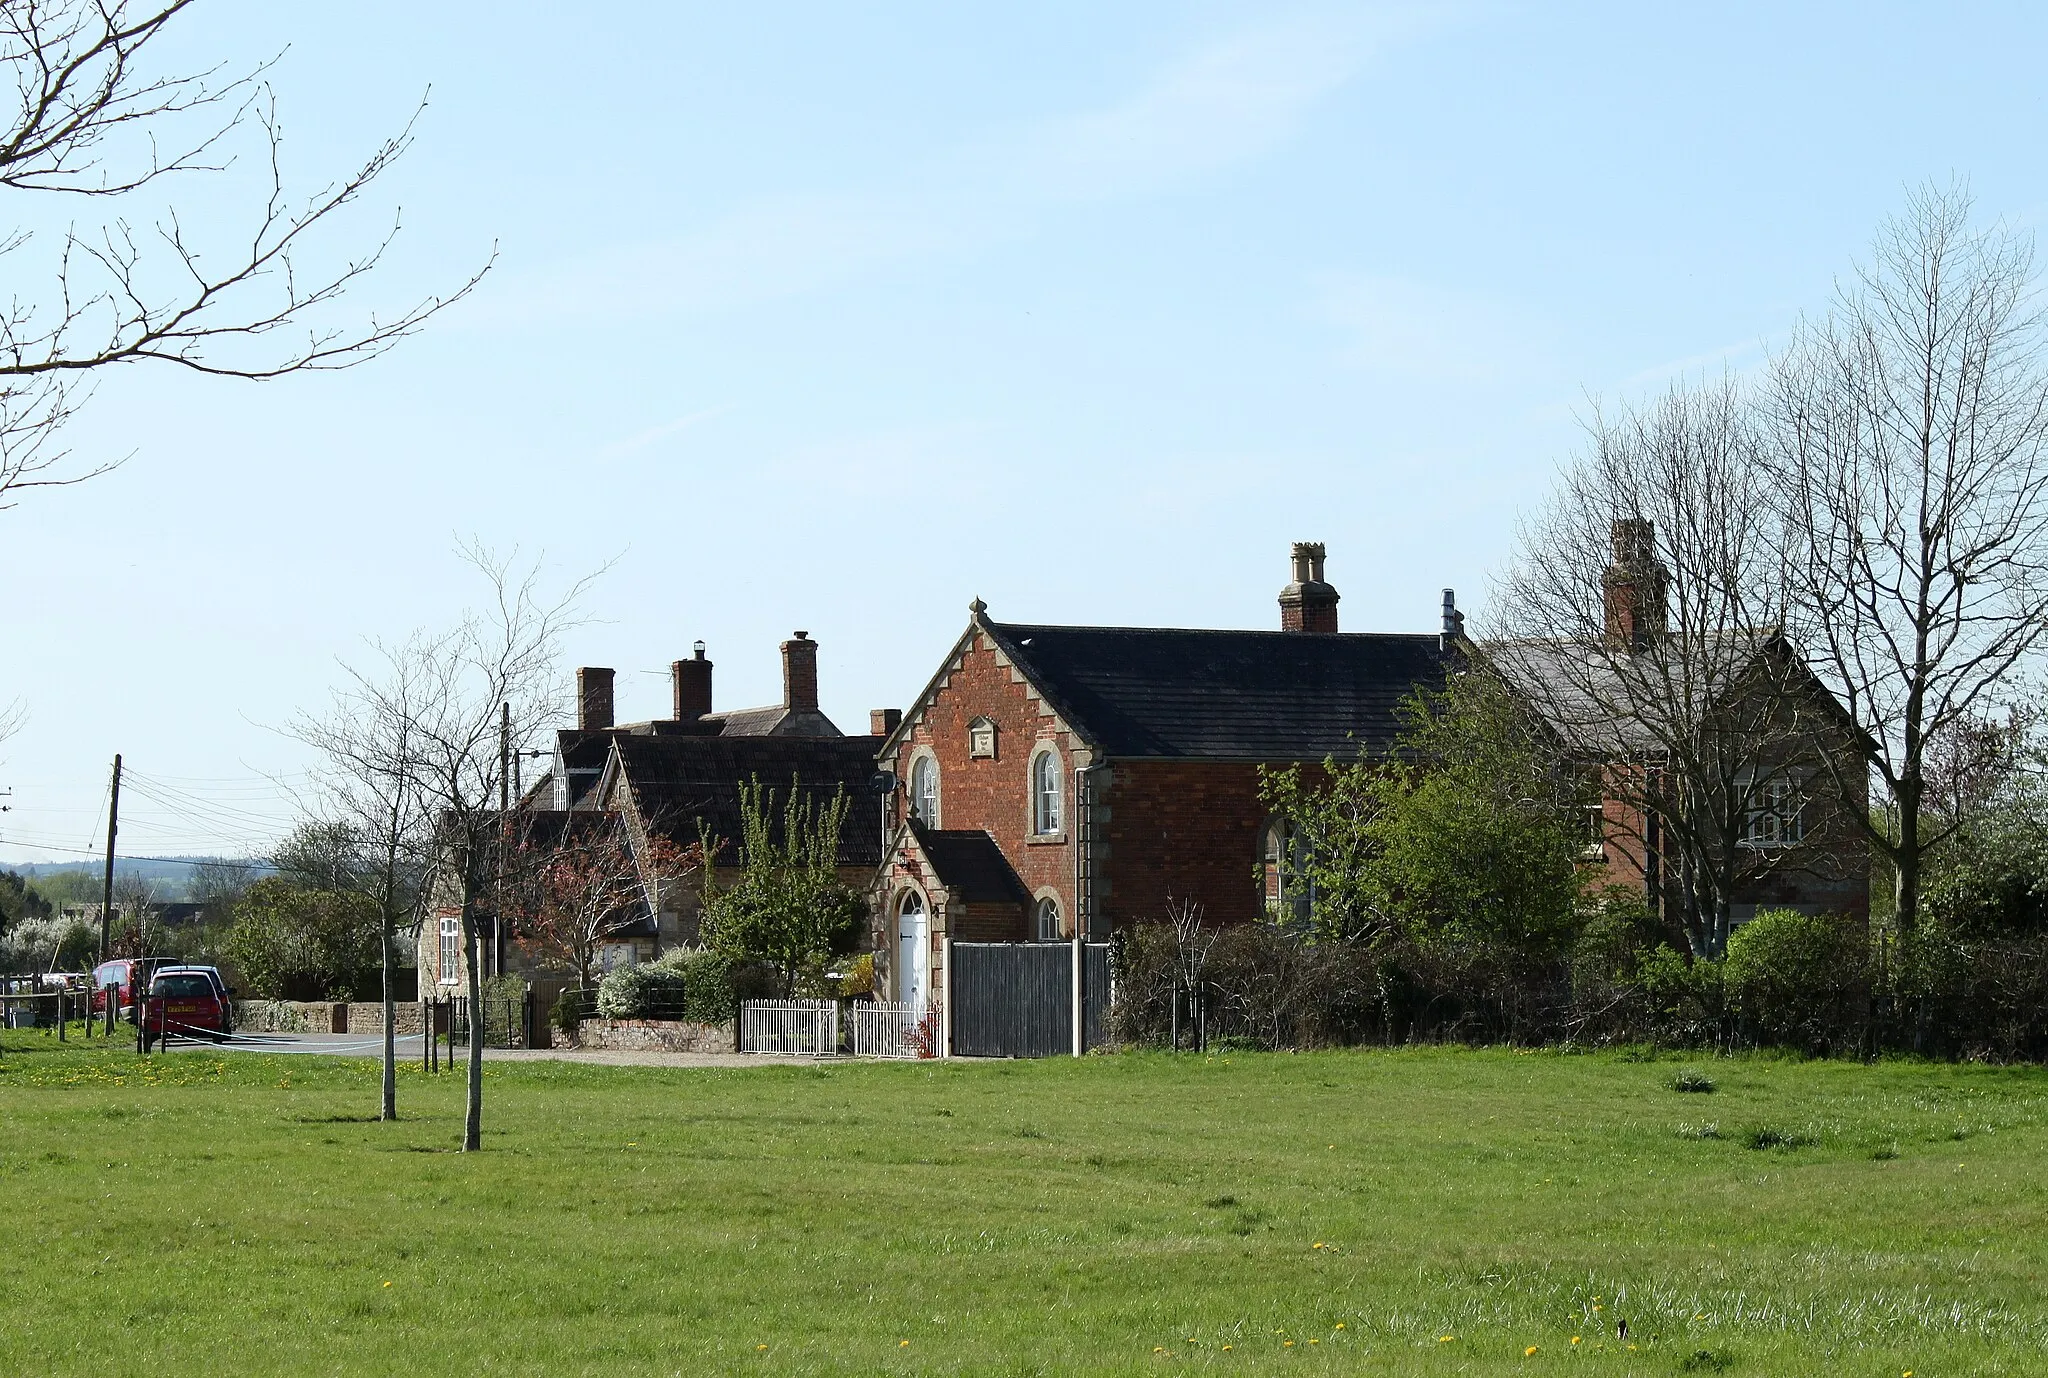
<point x="1051" y="777"/>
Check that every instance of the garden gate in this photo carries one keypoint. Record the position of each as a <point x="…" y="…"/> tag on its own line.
<point x="1017" y="999"/>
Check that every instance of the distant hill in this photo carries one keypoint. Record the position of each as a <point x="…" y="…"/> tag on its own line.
<point x="170" y="875"/>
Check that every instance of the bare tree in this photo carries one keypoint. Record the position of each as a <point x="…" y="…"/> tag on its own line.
<point x="442" y="708"/>
<point x="575" y="881"/>
<point x="371" y="821"/>
<point x="95" y="118"/>
<point x="1641" y="617"/>
<point x="1910" y="458"/>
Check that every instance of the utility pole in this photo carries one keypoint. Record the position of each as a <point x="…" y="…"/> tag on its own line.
<point x="107" y="890"/>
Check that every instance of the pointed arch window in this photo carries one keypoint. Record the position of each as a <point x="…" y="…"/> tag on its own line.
<point x="924" y="791"/>
<point x="1047" y="801"/>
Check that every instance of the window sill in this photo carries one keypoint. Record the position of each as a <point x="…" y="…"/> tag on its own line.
<point x="1750" y="845"/>
<point x="1045" y="840"/>
<point x="1593" y="853"/>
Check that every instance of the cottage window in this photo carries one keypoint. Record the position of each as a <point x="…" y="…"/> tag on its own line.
<point x="924" y="791"/>
<point x="451" y="949"/>
<point x="1045" y="792"/>
<point x="1777" y="815"/>
<point x="1283" y="857"/>
<point x="1048" y="919"/>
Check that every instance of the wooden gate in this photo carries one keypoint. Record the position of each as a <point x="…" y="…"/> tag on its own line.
<point x="1017" y="999"/>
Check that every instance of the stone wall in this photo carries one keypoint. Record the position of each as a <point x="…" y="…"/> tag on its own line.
<point x="368" y="1017"/>
<point x="653" y="1036"/>
<point x="322" y="1016"/>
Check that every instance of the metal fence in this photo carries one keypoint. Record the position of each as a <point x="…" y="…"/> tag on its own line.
<point x="1017" y="999"/>
<point x="803" y="1028"/>
<point x="886" y="1030"/>
<point x="508" y="1023"/>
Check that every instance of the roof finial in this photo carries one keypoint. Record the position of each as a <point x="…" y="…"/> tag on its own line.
<point x="977" y="608"/>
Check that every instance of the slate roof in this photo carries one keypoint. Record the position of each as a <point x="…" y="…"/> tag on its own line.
<point x="1584" y="692"/>
<point x="969" y="864"/>
<point x="679" y="782"/>
<point x="1224" y="695"/>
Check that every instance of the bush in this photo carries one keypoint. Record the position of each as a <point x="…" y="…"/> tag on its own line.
<point x="567" y="1013"/>
<point x="1800" y="981"/>
<point x="1692" y="1081"/>
<point x="653" y="991"/>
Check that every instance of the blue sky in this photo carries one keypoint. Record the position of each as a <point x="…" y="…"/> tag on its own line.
<point x="804" y="317"/>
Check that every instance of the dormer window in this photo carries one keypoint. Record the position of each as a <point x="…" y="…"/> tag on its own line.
<point x="981" y="740"/>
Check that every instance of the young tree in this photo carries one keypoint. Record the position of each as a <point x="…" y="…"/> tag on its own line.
<point x="576" y="881"/>
<point x="1909" y="459"/>
<point x="97" y="119"/>
<point x="441" y="713"/>
<point x="1641" y="619"/>
<point x="788" y="907"/>
<point x="371" y="833"/>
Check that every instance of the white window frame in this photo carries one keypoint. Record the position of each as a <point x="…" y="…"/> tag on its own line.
<point x="924" y="788"/>
<point x="1044" y="907"/>
<point x="1048" y="793"/>
<point x="1776" y="816"/>
<point x="450" y="972"/>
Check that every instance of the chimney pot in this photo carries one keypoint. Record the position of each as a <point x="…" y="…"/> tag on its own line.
<point x="692" y="680"/>
<point x="800" y="673"/>
<point x="1308" y="604"/>
<point x="594" y="698"/>
<point x="883" y="721"/>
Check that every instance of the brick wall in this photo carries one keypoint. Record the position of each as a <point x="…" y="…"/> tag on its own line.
<point x="1183" y="831"/>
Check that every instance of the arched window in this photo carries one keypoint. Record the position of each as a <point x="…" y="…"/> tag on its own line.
<point x="1283" y="857"/>
<point x="1047" y="917"/>
<point x="924" y="791"/>
<point x="1045" y="792"/>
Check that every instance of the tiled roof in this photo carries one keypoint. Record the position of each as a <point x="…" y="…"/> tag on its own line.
<point x="970" y="865"/>
<point x="680" y="783"/>
<point x="1225" y="695"/>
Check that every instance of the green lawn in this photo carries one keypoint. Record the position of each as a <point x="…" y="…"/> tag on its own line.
<point x="1409" y="1212"/>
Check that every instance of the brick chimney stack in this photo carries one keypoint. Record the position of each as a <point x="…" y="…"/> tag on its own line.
<point x="800" y="672"/>
<point x="1634" y="586"/>
<point x="1308" y="604"/>
<point x="594" y="698"/>
<point x="692" y="680"/>
<point x="883" y="721"/>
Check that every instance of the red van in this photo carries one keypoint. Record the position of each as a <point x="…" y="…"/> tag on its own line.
<point x="126" y="977"/>
<point x="191" y="1002"/>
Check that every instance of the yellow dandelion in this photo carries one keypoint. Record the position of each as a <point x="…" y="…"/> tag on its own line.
<point x="758" y="1348"/>
<point x="1158" y="1349"/>
<point x="1575" y="1339"/>
<point x="387" y="1284"/>
<point x="1340" y="1325"/>
<point x="1319" y="1243"/>
<point x="1226" y="1349"/>
<point x="1596" y="1308"/>
<point x="903" y="1344"/>
<point x="1287" y="1344"/>
<point x="1445" y="1339"/>
<point x="1315" y="1342"/>
<point x="1530" y="1352"/>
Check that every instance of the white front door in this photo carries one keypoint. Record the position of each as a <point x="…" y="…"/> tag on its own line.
<point x="913" y="951"/>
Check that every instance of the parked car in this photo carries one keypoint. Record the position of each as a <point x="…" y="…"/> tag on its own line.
<point x="126" y="977"/>
<point x="189" y="1001"/>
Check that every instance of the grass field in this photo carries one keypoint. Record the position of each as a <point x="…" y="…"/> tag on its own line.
<point x="1409" y="1212"/>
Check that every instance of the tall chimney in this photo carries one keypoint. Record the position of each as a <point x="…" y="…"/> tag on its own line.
<point x="692" y="680"/>
<point x="800" y="672"/>
<point x="1634" y="585"/>
<point x="883" y="721"/>
<point x="594" y="698"/>
<point x="1308" y="604"/>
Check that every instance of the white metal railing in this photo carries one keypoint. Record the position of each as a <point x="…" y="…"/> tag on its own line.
<point x="804" y="1028"/>
<point x="885" y="1030"/>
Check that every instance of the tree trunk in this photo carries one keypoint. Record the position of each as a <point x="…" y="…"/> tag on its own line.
<point x="388" y="1110"/>
<point x="473" y="1111"/>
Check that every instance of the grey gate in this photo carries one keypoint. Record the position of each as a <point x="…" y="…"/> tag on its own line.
<point x="1016" y="999"/>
